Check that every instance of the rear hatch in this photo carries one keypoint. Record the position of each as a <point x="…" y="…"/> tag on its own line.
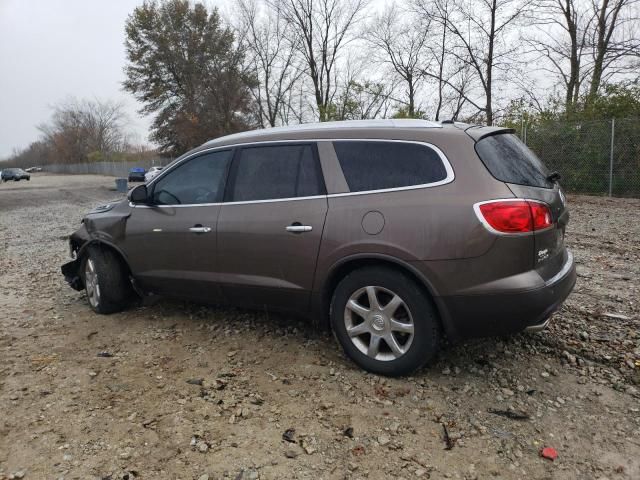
<point x="510" y="161"/>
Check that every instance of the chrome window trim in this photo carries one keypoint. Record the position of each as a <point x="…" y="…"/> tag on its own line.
<point x="445" y="161"/>
<point x="271" y="200"/>
<point x="450" y="177"/>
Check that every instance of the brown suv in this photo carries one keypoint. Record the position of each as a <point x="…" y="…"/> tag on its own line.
<point x="392" y="232"/>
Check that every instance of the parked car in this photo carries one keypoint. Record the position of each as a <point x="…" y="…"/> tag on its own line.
<point x="33" y="169"/>
<point x="392" y="233"/>
<point x="136" y="174"/>
<point x="15" y="174"/>
<point x="152" y="173"/>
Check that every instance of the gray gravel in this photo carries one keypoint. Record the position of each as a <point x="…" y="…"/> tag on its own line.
<point x="195" y="392"/>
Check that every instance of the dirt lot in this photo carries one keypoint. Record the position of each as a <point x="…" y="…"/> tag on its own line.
<point x="181" y="391"/>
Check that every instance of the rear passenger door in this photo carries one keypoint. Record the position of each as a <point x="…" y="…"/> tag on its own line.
<point x="270" y="226"/>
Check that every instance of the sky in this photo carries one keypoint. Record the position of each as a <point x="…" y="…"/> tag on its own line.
<point x="51" y="50"/>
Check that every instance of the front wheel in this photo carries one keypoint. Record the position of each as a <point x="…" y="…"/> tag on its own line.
<point x="106" y="281"/>
<point x="384" y="321"/>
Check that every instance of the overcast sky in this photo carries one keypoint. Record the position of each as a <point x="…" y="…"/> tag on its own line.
<point x="53" y="49"/>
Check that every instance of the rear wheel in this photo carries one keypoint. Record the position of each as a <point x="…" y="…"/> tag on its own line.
<point x="106" y="281"/>
<point x="384" y="321"/>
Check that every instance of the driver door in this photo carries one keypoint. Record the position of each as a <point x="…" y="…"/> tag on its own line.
<point x="171" y="243"/>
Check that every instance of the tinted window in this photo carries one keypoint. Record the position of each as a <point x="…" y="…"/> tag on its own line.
<point x="509" y="160"/>
<point x="278" y="171"/>
<point x="378" y="165"/>
<point x="196" y="181"/>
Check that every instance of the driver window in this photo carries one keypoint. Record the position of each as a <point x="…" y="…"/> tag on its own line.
<point x="196" y="181"/>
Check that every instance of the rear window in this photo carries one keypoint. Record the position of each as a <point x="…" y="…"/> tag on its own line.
<point x="276" y="171"/>
<point x="509" y="160"/>
<point x="370" y="165"/>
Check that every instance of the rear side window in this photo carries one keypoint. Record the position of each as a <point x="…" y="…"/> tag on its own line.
<point x="369" y="165"/>
<point x="509" y="160"/>
<point x="275" y="171"/>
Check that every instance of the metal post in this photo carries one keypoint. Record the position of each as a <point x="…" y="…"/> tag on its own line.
<point x="613" y="132"/>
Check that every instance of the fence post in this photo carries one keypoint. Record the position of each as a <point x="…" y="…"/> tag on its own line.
<point x="613" y="133"/>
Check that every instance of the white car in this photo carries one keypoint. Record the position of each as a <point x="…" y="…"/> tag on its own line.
<point x="151" y="173"/>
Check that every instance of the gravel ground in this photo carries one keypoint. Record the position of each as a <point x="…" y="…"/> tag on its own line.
<point x="181" y="391"/>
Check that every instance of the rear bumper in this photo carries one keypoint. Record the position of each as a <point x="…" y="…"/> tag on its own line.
<point x="504" y="313"/>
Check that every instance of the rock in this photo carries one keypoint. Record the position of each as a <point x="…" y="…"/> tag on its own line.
<point x="195" y="381"/>
<point x="202" y="447"/>
<point x="544" y="374"/>
<point x="584" y="336"/>
<point x="125" y="455"/>
<point x="508" y="392"/>
<point x="446" y="371"/>
<point x="570" y="358"/>
<point x="204" y="477"/>
<point x="308" y="444"/>
<point x="292" y="452"/>
<point x="250" y="474"/>
<point x="18" y="474"/>
<point x="383" y="439"/>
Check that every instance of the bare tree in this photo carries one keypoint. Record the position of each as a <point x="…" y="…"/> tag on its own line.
<point x="615" y="38"/>
<point x="322" y="28"/>
<point x="359" y="95"/>
<point x="273" y="60"/>
<point x="479" y="40"/>
<point x="401" y="44"/>
<point x="79" y="129"/>
<point x="585" y="42"/>
<point x="565" y="51"/>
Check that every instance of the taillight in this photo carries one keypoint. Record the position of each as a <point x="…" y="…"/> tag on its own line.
<point x="514" y="216"/>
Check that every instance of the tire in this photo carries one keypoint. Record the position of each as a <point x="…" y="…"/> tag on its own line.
<point x="410" y="321"/>
<point x="106" y="280"/>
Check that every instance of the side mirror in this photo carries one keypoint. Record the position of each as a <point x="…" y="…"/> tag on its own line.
<point x="138" y="194"/>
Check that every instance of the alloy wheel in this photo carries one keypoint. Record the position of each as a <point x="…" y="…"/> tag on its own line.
<point x="379" y="323"/>
<point x="91" y="283"/>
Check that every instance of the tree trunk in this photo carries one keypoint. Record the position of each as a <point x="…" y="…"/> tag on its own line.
<point x="489" y="86"/>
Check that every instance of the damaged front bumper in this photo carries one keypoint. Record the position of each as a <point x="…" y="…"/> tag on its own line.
<point x="71" y="270"/>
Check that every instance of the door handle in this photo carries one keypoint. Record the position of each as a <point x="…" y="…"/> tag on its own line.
<point x="298" y="228"/>
<point x="200" y="229"/>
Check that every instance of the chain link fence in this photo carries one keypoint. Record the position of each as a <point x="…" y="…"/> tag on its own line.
<point x="600" y="157"/>
<point x="109" y="168"/>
